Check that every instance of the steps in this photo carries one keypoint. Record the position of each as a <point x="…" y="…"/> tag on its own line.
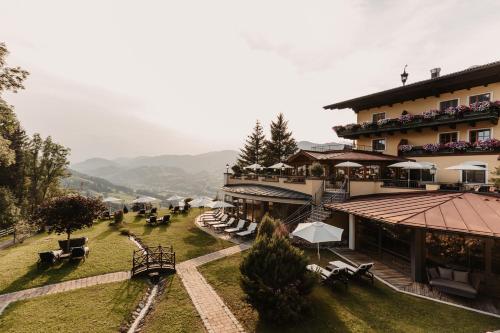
<point x="318" y="212"/>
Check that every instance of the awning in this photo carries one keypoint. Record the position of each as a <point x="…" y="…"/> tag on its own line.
<point x="265" y="191"/>
<point x="349" y="155"/>
<point x="469" y="213"/>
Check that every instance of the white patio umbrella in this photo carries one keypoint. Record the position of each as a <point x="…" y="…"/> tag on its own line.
<point x="409" y="165"/>
<point x="175" y="198"/>
<point x="219" y="204"/>
<point x="280" y="166"/>
<point x="254" y="167"/>
<point x="200" y="202"/>
<point x="348" y="165"/>
<point x="144" y="199"/>
<point x="318" y="232"/>
<point x="466" y="167"/>
<point x="109" y="201"/>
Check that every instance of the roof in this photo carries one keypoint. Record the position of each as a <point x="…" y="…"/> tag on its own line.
<point x="349" y="155"/>
<point x="266" y="191"/>
<point x="469" y="213"/>
<point x="468" y="78"/>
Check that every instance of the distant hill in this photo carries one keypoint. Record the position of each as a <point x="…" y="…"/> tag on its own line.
<point x="165" y="174"/>
<point x="95" y="186"/>
<point x="307" y="145"/>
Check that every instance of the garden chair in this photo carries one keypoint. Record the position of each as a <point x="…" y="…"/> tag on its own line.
<point x="49" y="258"/>
<point x="212" y="218"/>
<point x="252" y="228"/>
<point x="215" y="222"/>
<point x="361" y="271"/>
<point x="330" y="274"/>
<point x="79" y="253"/>
<point x="165" y="219"/>
<point x="239" y="227"/>
<point x="224" y="225"/>
<point x="151" y="220"/>
<point x="73" y="242"/>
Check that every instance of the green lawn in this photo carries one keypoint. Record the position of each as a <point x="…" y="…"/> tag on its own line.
<point x="101" y="308"/>
<point x="186" y="238"/>
<point x="174" y="311"/>
<point x="109" y="252"/>
<point x="361" y="308"/>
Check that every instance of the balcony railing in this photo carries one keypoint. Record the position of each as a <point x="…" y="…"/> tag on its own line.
<point x="484" y="111"/>
<point x="491" y="146"/>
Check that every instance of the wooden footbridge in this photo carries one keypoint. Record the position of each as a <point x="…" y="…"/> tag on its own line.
<point x="159" y="259"/>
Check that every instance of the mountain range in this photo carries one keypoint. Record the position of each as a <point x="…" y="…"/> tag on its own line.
<point x="162" y="175"/>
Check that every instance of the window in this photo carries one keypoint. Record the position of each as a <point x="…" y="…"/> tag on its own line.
<point x="474" y="176"/>
<point x="378" y="145"/>
<point x="447" y="104"/>
<point x="480" y="98"/>
<point x="448" y="137"/>
<point x="378" y="116"/>
<point x="479" y="135"/>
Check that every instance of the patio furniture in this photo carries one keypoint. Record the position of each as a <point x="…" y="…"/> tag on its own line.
<point x="142" y="212"/>
<point x="49" y="258"/>
<point x="361" y="271"/>
<point x="453" y="281"/>
<point x="79" y="253"/>
<point x="151" y="220"/>
<point x="154" y="210"/>
<point x="73" y="242"/>
<point x="176" y="210"/>
<point x="330" y="274"/>
<point x="239" y="227"/>
<point x="224" y="225"/>
<point x="214" y="222"/>
<point x="252" y="228"/>
<point x="165" y="219"/>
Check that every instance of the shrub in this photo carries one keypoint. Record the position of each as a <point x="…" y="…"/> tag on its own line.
<point x="316" y="170"/>
<point x="236" y="170"/>
<point x="405" y="148"/>
<point x="125" y="232"/>
<point x="119" y="216"/>
<point x="275" y="279"/>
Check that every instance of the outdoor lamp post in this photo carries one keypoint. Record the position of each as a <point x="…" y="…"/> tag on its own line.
<point x="404" y="75"/>
<point x="227" y="167"/>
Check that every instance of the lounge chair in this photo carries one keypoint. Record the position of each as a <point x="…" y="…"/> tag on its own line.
<point x="362" y="270"/>
<point x="214" y="222"/>
<point x="330" y="274"/>
<point x="212" y="216"/>
<point x="151" y="220"/>
<point x="250" y="230"/>
<point x="165" y="219"/>
<point x="49" y="257"/>
<point x="80" y="252"/>
<point x="73" y="242"/>
<point x="212" y="213"/>
<point x="239" y="227"/>
<point x="153" y="210"/>
<point x="176" y="210"/>
<point x="224" y="225"/>
<point x="142" y="212"/>
<point x="455" y="282"/>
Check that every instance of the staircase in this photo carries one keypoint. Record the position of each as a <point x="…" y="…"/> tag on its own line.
<point x="318" y="212"/>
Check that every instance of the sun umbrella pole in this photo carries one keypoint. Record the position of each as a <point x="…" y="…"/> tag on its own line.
<point x="319" y="256"/>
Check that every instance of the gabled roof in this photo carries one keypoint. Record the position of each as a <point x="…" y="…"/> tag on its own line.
<point x="469" y="213"/>
<point x="468" y="78"/>
<point x="345" y="155"/>
<point x="266" y="191"/>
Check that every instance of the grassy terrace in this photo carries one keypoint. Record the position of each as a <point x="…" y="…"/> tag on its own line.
<point x="361" y="308"/>
<point x="100" y="308"/>
<point x="109" y="252"/>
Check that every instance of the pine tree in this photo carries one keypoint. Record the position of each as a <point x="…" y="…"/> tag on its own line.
<point x="282" y="144"/>
<point x="253" y="151"/>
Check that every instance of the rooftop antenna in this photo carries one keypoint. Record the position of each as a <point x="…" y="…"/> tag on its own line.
<point x="404" y="75"/>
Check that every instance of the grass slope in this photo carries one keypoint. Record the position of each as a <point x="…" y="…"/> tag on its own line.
<point x="100" y="308"/>
<point x="361" y="308"/>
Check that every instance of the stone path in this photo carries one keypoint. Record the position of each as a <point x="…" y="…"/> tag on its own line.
<point x="216" y="316"/>
<point x="6" y="299"/>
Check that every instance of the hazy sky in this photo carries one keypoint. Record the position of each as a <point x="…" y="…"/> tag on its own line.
<point x="123" y="78"/>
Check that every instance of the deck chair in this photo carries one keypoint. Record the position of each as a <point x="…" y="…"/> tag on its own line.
<point x="330" y="274"/>
<point x="211" y="213"/>
<point x="239" y="227"/>
<point x="151" y="220"/>
<point x="165" y="219"/>
<point x="212" y="217"/>
<point x="79" y="253"/>
<point x="48" y="258"/>
<point x="214" y="222"/>
<point x="224" y="225"/>
<point x="362" y="271"/>
<point x="250" y="230"/>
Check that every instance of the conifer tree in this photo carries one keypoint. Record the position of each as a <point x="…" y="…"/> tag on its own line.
<point x="253" y="151"/>
<point x="281" y="144"/>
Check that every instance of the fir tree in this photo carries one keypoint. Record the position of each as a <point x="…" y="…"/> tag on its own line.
<point x="253" y="151"/>
<point x="282" y="144"/>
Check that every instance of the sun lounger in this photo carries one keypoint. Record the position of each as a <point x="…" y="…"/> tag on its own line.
<point x="78" y="253"/>
<point x="330" y="274"/>
<point x="224" y="225"/>
<point x="362" y="270"/>
<point x="239" y="227"/>
<point x="213" y="217"/>
<point x="250" y="230"/>
<point x="165" y="219"/>
<point x="151" y="220"/>
<point x="214" y="222"/>
<point x="211" y="213"/>
<point x="49" y="257"/>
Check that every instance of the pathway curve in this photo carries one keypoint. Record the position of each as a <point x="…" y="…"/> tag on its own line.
<point x="216" y="316"/>
<point x="6" y="299"/>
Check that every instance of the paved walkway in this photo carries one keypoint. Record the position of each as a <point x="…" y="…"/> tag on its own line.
<point x="6" y="299"/>
<point x="216" y="316"/>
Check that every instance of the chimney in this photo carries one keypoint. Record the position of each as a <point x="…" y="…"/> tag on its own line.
<point x="435" y="72"/>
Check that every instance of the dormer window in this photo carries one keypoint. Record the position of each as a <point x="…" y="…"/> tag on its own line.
<point x="448" y="104"/>
<point x="480" y="98"/>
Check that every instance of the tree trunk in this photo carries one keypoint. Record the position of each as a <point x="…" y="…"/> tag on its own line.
<point x="67" y="245"/>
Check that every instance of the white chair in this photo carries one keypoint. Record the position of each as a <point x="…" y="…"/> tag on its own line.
<point x="239" y="227"/>
<point x="224" y="225"/>
<point x="214" y="222"/>
<point x="250" y="230"/>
